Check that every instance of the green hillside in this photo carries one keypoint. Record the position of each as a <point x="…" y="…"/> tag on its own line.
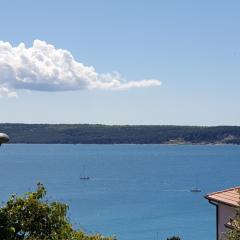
<point x="104" y="134"/>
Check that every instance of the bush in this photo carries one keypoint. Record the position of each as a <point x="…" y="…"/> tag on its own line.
<point x="234" y="233"/>
<point x="32" y="218"/>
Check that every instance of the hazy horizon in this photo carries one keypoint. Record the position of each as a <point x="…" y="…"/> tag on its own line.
<point x="103" y="124"/>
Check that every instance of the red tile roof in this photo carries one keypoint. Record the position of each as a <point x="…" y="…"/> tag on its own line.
<point x="229" y="196"/>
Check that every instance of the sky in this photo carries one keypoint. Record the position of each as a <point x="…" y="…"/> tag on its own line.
<point x="120" y="62"/>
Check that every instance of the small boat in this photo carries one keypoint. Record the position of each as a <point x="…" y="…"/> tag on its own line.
<point x="84" y="176"/>
<point x="195" y="190"/>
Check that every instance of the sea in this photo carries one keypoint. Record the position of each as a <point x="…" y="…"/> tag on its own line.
<point x="135" y="192"/>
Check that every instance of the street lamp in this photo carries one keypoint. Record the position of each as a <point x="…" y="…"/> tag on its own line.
<point x="4" y="138"/>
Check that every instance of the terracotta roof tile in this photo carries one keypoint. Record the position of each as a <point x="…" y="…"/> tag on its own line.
<point x="229" y="196"/>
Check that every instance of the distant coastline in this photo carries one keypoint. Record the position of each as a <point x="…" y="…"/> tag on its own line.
<point x="114" y="134"/>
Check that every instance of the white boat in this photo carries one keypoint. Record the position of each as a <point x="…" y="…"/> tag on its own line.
<point x="195" y="190"/>
<point x="84" y="176"/>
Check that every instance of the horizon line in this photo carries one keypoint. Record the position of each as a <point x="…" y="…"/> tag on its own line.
<point x="104" y="124"/>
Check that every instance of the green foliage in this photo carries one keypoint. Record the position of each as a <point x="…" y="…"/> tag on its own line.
<point x="103" y="134"/>
<point x="33" y="218"/>
<point x="234" y="233"/>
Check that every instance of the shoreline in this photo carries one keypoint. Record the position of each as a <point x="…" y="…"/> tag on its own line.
<point x="167" y="144"/>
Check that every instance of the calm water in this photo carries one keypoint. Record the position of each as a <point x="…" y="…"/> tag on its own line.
<point x="135" y="192"/>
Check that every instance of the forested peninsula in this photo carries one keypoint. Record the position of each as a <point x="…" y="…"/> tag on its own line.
<point x="113" y="134"/>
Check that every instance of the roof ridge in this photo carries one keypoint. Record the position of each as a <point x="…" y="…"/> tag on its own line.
<point x="225" y="196"/>
<point x="225" y="190"/>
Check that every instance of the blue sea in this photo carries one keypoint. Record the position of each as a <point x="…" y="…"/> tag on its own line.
<point x="136" y="192"/>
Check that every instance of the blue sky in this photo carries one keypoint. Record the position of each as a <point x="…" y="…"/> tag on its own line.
<point x="191" y="47"/>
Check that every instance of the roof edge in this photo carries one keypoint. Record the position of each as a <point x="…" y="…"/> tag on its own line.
<point x="222" y="202"/>
<point x="210" y="196"/>
<point x="225" y="190"/>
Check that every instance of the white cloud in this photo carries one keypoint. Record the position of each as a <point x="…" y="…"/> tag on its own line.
<point x="42" y="67"/>
<point x="4" y="92"/>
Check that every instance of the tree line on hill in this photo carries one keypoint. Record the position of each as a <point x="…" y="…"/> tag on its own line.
<point x="114" y="134"/>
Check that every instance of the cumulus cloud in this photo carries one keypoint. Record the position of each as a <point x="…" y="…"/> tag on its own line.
<point x="42" y="67"/>
<point x="4" y="92"/>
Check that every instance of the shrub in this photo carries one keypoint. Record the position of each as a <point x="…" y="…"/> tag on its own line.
<point x="32" y="218"/>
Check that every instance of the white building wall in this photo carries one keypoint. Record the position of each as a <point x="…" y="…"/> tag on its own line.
<point x="224" y="214"/>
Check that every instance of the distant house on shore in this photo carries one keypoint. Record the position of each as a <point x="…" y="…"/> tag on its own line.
<point x="226" y="202"/>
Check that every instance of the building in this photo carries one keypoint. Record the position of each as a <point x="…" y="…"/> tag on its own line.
<point x="225" y="202"/>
